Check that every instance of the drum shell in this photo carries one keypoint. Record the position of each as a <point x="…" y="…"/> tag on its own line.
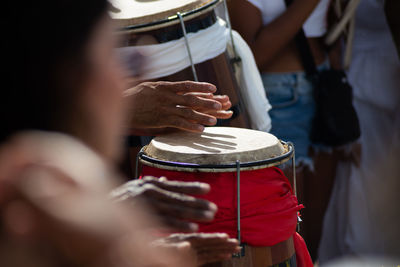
<point x="218" y="71"/>
<point x="138" y="18"/>
<point x="267" y="201"/>
<point x="262" y="256"/>
<point x="268" y="205"/>
<point x="256" y="254"/>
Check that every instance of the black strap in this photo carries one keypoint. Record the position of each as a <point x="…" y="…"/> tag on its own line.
<point x="306" y="56"/>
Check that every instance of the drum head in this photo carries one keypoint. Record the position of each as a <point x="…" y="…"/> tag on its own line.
<point x="128" y="13"/>
<point x="217" y="147"/>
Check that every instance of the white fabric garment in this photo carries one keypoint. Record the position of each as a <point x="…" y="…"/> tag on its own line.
<point x="171" y="57"/>
<point x="363" y="214"/>
<point x="252" y="88"/>
<point x="376" y="77"/>
<point x="315" y="26"/>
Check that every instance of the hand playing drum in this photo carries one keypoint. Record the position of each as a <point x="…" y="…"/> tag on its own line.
<point x="169" y="200"/>
<point x="204" y="248"/>
<point x="153" y="30"/>
<point x="155" y="106"/>
<point x="53" y="215"/>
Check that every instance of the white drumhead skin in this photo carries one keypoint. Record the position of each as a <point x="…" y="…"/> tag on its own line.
<point x="216" y="145"/>
<point x="135" y="12"/>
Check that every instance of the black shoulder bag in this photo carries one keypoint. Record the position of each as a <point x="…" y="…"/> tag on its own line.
<point x="335" y="122"/>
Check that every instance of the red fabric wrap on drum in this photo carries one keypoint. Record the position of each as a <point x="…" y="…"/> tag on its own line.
<point x="268" y="206"/>
<point x="303" y="258"/>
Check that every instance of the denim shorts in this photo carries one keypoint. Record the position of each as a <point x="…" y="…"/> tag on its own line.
<point x="293" y="108"/>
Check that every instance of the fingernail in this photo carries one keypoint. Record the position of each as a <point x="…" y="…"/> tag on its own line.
<point x="205" y="187"/>
<point x="193" y="227"/>
<point x="223" y="235"/>
<point x="208" y="214"/>
<point x="200" y="128"/>
<point x="212" y="120"/>
<point x="213" y="207"/>
<point x="217" y="106"/>
<point x="233" y="240"/>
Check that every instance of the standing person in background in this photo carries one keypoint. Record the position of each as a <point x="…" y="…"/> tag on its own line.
<point x="363" y="215"/>
<point x="269" y="27"/>
<point x="392" y="7"/>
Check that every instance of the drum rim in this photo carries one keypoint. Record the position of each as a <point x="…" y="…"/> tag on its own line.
<point x="192" y="166"/>
<point x="169" y="20"/>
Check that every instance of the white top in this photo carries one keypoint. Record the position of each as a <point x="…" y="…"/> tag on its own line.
<point x="375" y="67"/>
<point x="315" y="26"/>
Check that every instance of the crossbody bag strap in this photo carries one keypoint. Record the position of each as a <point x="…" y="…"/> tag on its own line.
<point x="306" y="56"/>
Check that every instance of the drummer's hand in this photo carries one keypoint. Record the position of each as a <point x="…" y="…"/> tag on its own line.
<point x="53" y="221"/>
<point x="170" y="200"/>
<point x="184" y="105"/>
<point x="206" y="248"/>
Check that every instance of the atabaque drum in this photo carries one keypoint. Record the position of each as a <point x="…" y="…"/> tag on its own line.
<point x="256" y="203"/>
<point x="182" y="40"/>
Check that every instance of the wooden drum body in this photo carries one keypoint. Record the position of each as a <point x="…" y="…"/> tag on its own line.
<point x="255" y="201"/>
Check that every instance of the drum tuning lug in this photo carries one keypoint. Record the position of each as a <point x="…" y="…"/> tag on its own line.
<point x="299" y="220"/>
<point x="241" y="253"/>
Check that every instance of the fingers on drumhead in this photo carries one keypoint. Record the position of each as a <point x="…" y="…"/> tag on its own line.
<point x="196" y="117"/>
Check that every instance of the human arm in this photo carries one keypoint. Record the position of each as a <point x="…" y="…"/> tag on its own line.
<point x="266" y="41"/>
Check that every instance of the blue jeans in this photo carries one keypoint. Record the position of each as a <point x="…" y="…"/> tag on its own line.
<point x="293" y="108"/>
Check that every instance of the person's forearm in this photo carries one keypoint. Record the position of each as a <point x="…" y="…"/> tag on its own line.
<point x="392" y="8"/>
<point x="280" y="32"/>
<point x="335" y="55"/>
<point x="335" y="51"/>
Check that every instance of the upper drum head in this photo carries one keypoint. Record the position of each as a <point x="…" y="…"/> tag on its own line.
<point x="141" y="15"/>
<point x="216" y="149"/>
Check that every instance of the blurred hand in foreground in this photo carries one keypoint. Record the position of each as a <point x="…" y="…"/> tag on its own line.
<point x="52" y="215"/>
<point x="206" y="248"/>
<point x="170" y="200"/>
